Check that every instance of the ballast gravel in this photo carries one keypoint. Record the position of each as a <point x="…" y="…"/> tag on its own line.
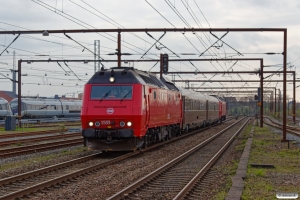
<point x="109" y="180"/>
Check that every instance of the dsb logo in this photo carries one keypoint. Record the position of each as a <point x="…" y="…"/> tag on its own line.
<point x="110" y="110"/>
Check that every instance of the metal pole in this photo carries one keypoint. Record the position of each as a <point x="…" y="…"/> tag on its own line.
<point x="119" y="49"/>
<point x="262" y="93"/>
<point x="294" y="98"/>
<point x="19" y="92"/>
<point x="275" y="100"/>
<point x="284" y="84"/>
<point x="95" y="58"/>
<point x="279" y="99"/>
<point x="98" y="42"/>
<point x="14" y="74"/>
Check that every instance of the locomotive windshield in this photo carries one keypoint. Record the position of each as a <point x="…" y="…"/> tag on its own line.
<point x="109" y="92"/>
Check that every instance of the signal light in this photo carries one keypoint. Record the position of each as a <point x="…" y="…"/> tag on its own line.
<point x="255" y="97"/>
<point x="165" y="63"/>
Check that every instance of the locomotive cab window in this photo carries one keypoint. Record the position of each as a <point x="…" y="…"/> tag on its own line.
<point x="111" y="92"/>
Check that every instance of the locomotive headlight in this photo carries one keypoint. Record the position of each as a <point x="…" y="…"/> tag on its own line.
<point x="97" y="124"/>
<point x="111" y="79"/>
<point x="122" y="124"/>
<point x="129" y="123"/>
<point x="91" y="123"/>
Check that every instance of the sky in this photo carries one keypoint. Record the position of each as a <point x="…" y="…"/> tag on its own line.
<point x="49" y="79"/>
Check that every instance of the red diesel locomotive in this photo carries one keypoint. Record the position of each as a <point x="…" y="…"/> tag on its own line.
<point x="126" y="109"/>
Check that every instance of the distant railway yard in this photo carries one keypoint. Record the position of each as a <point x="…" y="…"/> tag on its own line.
<point x="216" y="162"/>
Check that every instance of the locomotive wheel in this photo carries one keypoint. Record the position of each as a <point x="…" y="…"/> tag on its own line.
<point x="187" y="128"/>
<point x="146" y="140"/>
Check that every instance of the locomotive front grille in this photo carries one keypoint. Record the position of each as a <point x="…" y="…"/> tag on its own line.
<point x="113" y="133"/>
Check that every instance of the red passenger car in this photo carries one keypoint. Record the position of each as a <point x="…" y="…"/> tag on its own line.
<point x="222" y="108"/>
<point x="126" y="109"/>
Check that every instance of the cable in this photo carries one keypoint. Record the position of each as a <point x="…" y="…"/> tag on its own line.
<point x="107" y="17"/>
<point x="83" y="25"/>
<point x="72" y="71"/>
<point x="31" y="37"/>
<point x="10" y="44"/>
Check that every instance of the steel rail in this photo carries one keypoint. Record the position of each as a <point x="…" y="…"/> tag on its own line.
<point x="24" y="134"/>
<point x="80" y="172"/>
<point x="50" y="124"/>
<point x="279" y="124"/>
<point x="212" y="161"/>
<point x="30" y="140"/>
<point x="289" y="129"/>
<point x="173" y="162"/>
<point x="46" y="169"/>
<point x="38" y="147"/>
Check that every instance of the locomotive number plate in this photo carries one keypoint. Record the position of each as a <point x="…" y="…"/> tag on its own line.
<point x="105" y="122"/>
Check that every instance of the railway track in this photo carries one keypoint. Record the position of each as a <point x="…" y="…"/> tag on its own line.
<point x="176" y="178"/>
<point x="38" y="139"/>
<point x="15" y="151"/>
<point x="290" y="118"/>
<point x="64" y="173"/>
<point x="31" y="133"/>
<point x="45" y="125"/>
<point x="290" y="129"/>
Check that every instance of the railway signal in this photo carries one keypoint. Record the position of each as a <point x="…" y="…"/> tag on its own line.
<point x="165" y="63"/>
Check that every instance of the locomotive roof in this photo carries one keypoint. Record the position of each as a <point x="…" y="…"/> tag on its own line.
<point x="129" y="75"/>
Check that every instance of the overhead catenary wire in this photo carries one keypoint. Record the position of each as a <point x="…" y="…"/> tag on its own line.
<point x="118" y="25"/>
<point x="10" y="44"/>
<point x="72" y="71"/>
<point x="69" y="16"/>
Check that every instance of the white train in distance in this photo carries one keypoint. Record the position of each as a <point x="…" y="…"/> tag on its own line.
<point x="4" y="108"/>
<point x="45" y="108"/>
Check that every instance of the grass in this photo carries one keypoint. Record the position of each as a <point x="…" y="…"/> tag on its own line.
<point x="40" y="159"/>
<point x="267" y="148"/>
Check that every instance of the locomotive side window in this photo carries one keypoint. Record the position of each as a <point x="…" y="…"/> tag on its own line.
<point x="154" y="95"/>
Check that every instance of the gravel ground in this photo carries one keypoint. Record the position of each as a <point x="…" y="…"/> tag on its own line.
<point x="106" y="182"/>
<point x="37" y="165"/>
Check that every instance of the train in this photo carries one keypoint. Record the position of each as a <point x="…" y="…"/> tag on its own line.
<point x="46" y="108"/>
<point x="124" y="109"/>
<point x="4" y="109"/>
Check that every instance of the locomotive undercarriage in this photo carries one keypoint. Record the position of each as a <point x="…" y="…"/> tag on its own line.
<point x="163" y="133"/>
<point x="123" y="140"/>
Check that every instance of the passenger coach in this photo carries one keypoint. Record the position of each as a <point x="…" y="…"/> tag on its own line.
<point x="43" y="108"/>
<point x="4" y="108"/>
